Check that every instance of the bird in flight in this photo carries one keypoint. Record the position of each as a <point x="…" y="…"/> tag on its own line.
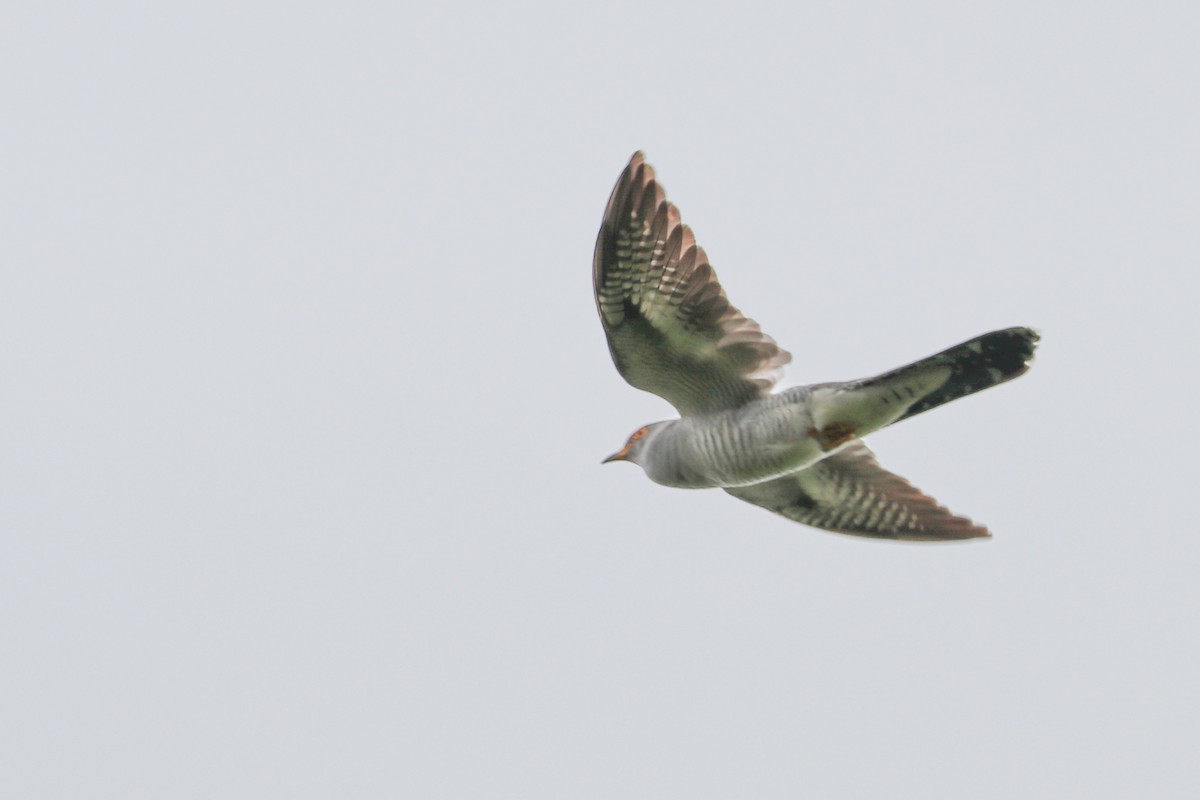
<point x="798" y="452"/>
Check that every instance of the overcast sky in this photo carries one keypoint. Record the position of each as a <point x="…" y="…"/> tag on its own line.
<point x="304" y="397"/>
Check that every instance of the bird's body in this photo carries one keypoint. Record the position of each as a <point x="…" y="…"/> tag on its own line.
<point x="761" y="440"/>
<point x="672" y="331"/>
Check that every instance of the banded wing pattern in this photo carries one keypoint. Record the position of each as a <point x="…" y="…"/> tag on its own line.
<point x="670" y="327"/>
<point x="848" y="492"/>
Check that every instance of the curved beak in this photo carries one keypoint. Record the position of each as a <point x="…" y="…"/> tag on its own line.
<point x="617" y="456"/>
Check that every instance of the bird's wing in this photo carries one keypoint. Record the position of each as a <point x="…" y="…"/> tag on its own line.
<point x="671" y="329"/>
<point x="848" y="492"/>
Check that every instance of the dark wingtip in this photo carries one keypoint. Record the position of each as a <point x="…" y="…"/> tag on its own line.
<point x="960" y="530"/>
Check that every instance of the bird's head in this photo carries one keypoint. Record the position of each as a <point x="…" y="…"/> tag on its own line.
<point x="636" y="444"/>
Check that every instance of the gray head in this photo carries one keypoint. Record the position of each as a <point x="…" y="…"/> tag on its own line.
<point x="636" y="445"/>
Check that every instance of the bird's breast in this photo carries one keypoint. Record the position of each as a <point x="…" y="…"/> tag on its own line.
<point x="743" y="446"/>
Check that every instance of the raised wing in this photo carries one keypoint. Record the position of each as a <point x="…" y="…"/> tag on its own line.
<point x="848" y="492"/>
<point x="671" y="329"/>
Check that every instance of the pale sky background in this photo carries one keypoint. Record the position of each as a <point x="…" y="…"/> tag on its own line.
<point x="304" y="396"/>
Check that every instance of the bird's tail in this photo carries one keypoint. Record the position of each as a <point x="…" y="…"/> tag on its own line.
<point x="975" y="365"/>
<point x="845" y="411"/>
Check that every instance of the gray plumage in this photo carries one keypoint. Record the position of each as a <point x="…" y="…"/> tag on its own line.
<point x="672" y="331"/>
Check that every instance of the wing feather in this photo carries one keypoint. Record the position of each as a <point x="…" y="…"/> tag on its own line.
<point x="671" y="329"/>
<point x="848" y="492"/>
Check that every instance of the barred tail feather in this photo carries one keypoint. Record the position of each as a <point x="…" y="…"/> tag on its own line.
<point x="978" y="364"/>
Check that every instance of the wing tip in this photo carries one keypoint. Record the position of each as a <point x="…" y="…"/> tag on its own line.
<point x="968" y="534"/>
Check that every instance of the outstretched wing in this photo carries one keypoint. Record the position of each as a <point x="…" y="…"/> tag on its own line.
<point x="671" y="329"/>
<point x="848" y="492"/>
